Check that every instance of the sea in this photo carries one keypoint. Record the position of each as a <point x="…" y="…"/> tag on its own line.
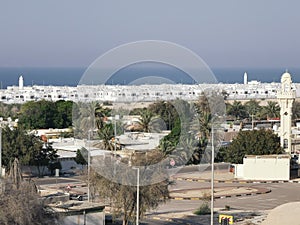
<point x="72" y="76"/>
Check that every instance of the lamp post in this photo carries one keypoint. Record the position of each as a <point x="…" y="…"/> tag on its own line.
<point x="137" y="194"/>
<point x="115" y="133"/>
<point x="212" y="177"/>
<point x="89" y="163"/>
<point x="0" y="151"/>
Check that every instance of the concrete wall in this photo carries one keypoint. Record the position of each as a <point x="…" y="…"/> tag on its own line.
<point x="88" y="219"/>
<point x="238" y="171"/>
<point x="273" y="167"/>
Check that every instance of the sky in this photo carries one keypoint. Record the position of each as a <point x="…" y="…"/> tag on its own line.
<point x="73" y="33"/>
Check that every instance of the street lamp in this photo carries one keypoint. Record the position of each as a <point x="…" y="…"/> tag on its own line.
<point x="137" y="194"/>
<point x="89" y="163"/>
<point x="0" y="151"/>
<point x="117" y="117"/>
<point x="212" y="177"/>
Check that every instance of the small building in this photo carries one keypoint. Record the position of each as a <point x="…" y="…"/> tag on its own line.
<point x="264" y="167"/>
<point x="77" y="213"/>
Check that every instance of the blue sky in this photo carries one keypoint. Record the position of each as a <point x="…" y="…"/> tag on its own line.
<point x="224" y="33"/>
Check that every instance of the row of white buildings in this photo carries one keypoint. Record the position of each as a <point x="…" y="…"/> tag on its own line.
<point x="142" y="93"/>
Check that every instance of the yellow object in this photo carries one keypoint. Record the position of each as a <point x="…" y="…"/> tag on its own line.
<point x="222" y="216"/>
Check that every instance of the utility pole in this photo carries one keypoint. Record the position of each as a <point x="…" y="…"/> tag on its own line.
<point x="117" y="117"/>
<point x="212" y="177"/>
<point x="138" y="196"/>
<point x="0" y="151"/>
<point x="89" y="164"/>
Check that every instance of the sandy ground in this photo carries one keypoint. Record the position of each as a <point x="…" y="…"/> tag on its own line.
<point x="288" y="213"/>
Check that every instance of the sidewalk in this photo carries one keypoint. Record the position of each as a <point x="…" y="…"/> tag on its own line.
<point x="223" y="176"/>
<point x="219" y="192"/>
<point x="205" y="176"/>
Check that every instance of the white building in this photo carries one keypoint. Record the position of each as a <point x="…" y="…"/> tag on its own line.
<point x="142" y="93"/>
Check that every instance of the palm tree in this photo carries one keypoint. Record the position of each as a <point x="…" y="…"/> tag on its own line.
<point x="148" y="121"/>
<point x="106" y="134"/>
<point x="84" y="118"/>
<point x="166" y="146"/>
<point x="237" y="110"/>
<point x="205" y="125"/>
<point x="101" y="113"/>
<point x="166" y="111"/>
<point x="252" y="107"/>
<point x="271" y="110"/>
<point x="202" y="104"/>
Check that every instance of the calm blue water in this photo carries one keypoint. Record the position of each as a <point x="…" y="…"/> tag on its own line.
<point x="71" y="76"/>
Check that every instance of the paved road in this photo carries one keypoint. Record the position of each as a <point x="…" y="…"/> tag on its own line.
<point x="281" y="193"/>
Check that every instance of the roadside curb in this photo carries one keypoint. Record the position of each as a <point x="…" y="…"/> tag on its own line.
<point x="79" y="185"/>
<point x="224" y="196"/>
<point x="177" y="220"/>
<point x="236" y="181"/>
<point x="73" y="186"/>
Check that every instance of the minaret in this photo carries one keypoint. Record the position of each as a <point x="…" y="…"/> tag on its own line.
<point x="286" y="97"/>
<point x="21" y="83"/>
<point x="245" y="78"/>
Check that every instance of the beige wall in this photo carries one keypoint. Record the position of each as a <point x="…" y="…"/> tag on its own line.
<point x="275" y="167"/>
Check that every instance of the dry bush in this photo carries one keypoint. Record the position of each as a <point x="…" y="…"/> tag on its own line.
<point x="22" y="206"/>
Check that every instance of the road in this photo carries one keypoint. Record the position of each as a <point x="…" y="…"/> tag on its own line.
<point x="281" y="193"/>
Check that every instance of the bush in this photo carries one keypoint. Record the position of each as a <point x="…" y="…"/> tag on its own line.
<point x="204" y="209"/>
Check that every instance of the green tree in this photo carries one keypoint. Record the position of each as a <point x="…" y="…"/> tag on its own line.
<point x="253" y="107"/>
<point x="237" y="109"/>
<point x="81" y="156"/>
<point x="9" y="110"/>
<point x="165" y="111"/>
<point x="40" y="155"/>
<point x="271" y="110"/>
<point x="101" y="114"/>
<point x="106" y="134"/>
<point x="256" y="142"/>
<point x="63" y="115"/>
<point x="191" y="151"/>
<point x="46" y="114"/>
<point x="147" y="121"/>
<point x="37" y="115"/>
<point x="202" y="104"/>
<point x="29" y="149"/>
<point x="169" y="142"/>
<point x="13" y="145"/>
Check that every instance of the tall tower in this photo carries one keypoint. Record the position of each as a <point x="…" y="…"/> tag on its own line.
<point x="286" y="96"/>
<point x="21" y="82"/>
<point x="245" y="78"/>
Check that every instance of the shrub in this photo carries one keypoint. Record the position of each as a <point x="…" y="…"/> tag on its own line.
<point x="203" y="209"/>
